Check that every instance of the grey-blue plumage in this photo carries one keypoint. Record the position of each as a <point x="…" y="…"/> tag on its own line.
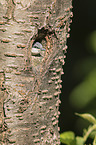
<point x="38" y="46"/>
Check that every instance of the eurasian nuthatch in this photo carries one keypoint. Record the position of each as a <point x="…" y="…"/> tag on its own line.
<point x="36" y="49"/>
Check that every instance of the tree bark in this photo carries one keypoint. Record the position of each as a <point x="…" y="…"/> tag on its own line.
<point x="30" y="85"/>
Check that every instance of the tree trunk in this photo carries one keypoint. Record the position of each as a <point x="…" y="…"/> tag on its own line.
<point x="30" y="83"/>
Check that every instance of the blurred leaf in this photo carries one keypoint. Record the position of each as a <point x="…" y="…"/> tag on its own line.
<point x="94" y="142"/>
<point x="84" y="131"/>
<point x="84" y="67"/>
<point x="93" y="134"/>
<point x="89" y="131"/>
<point x="84" y="92"/>
<point x="68" y="138"/>
<point x="79" y="140"/>
<point x="91" y="42"/>
<point x="88" y="117"/>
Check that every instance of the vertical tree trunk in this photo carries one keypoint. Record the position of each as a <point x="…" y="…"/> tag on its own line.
<point x="30" y="83"/>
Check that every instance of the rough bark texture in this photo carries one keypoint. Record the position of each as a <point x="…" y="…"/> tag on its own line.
<point x="30" y="85"/>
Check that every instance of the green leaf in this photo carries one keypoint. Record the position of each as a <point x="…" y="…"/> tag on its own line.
<point x="84" y="92"/>
<point x="68" y="138"/>
<point x="88" y="117"/>
<point x="92" y="134"/>
<point x="89" y="131"/>
<point x="79" y="140"/>
<point x="94" y="142"/>
<point x="91" y="42"/>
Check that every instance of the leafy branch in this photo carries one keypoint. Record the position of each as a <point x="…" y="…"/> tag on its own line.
<point x="69" y="137"/>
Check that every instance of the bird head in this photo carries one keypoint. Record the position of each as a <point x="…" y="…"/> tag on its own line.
<point x="36" y="49"/>
<point x="38" y="46"/>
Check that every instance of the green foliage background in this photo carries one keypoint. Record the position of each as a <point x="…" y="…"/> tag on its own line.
<point x="79" y="80"/>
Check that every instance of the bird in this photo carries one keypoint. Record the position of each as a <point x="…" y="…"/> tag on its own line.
<point x="36" y="49"/>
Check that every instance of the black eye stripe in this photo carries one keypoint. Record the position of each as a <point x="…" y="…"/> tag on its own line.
<point x="36" y="47"/>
